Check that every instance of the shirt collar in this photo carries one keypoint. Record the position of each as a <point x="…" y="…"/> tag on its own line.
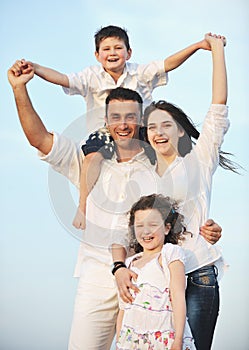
<point x="127" y="70"/>
<point x="141" y="157"/>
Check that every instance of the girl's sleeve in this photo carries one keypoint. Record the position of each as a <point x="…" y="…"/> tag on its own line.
<point x="172" y="252"/>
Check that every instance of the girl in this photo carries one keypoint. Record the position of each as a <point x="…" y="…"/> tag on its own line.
<point x="156" y="319"/>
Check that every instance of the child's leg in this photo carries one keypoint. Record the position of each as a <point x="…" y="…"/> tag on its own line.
<point x="89" y="175"/>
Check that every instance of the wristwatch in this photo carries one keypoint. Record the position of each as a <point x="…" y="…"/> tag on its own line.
<point x="117" y="265"/>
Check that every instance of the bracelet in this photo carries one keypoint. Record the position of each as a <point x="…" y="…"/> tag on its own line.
<point x="118" y="266"/>
<point x="117" y="263"/>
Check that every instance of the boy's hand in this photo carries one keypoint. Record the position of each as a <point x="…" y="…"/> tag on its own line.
<point x="20" y="73"/>
<point x="205" y="44"/>
<point x="212" y="38"/>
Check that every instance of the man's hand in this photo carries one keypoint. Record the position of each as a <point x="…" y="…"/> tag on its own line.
<point x="20" y="73"/>
<point x="79" y="220"/>
<point x="211" y="231"/>
<point x="123" y="278"/>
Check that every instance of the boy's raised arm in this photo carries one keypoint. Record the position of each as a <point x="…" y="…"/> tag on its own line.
<point x="181" y="56"/>
<point x="49" y="74"/>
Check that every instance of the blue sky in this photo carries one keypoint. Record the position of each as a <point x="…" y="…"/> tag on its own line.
<point x="37" y="248"/>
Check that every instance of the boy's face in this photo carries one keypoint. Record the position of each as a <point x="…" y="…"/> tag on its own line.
<point x="113" y="55"/>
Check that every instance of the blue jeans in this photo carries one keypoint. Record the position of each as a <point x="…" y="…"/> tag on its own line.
<point x="202" y="300"/>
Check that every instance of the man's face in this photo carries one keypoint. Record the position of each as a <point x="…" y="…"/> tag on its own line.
<point x="123" y="121"/>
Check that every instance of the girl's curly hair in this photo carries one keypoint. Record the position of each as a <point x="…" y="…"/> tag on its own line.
<point x="168" y="211"/>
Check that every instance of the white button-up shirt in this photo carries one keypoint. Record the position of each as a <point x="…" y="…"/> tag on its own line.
<point x="94" y="84"/>
<point x="188" y="181"/>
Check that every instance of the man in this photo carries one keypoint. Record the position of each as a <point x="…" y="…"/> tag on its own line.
<point x="123" y="179"/>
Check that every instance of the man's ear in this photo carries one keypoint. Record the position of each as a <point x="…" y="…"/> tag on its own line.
<point x="106" y="121"/>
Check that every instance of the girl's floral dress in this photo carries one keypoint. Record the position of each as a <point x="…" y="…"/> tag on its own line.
<point x="148" y="321"/>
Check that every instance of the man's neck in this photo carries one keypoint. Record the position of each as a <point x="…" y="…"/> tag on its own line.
<point x="126" y="154"/>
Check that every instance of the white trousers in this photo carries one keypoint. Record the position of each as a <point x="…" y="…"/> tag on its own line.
<point x="94" y="319"/>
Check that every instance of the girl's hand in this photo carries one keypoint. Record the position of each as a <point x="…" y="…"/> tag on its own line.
<point x="177" y="345"/>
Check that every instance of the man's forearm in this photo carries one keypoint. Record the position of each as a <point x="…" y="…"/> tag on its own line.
<point x="118" y="253"/>
<point x="32" y="125"/>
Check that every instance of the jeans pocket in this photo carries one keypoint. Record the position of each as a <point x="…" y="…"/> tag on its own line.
<point x="203" y="278"/>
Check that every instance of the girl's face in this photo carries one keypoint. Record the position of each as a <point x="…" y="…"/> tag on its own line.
<point x="150" y="230"/>
<point x="163" y="133"/>
<point x="113" y="55"/>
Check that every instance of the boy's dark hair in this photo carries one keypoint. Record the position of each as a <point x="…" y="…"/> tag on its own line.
<point x="111" y="32"/>
<point x="169" y="215"/>
<point x="124" y="94"/>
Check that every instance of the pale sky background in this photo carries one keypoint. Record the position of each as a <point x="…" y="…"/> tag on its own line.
<point x="37" y="252"/>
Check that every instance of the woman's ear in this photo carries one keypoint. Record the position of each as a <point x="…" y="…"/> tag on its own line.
<point x="181" y="131"/>
<point x="167" y="228"/>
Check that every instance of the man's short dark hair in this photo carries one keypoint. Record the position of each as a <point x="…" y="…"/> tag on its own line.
<point x="124" y="94"/>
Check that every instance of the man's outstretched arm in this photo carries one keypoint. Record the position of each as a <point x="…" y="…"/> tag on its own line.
<point x="31" y="123"/>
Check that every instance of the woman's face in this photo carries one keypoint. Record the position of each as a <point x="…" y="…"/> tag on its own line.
<point x="163" y="133"/>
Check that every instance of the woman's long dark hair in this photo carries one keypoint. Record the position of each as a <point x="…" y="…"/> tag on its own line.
<point x="190" y="132"/>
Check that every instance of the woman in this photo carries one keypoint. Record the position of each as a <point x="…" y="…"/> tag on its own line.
<point x="185" y="174"/>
